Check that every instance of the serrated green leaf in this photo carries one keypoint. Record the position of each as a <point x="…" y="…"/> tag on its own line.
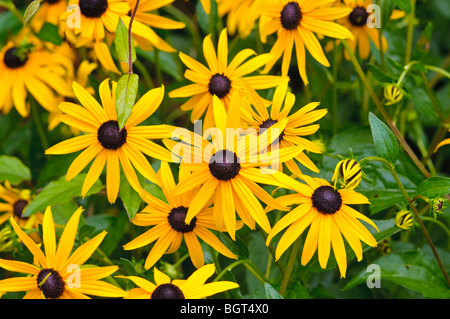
<point x="126" y="92"/>
<point x="13" y="170"/>
<point x="386" y="145"/>
<point x="59" y="192"/>
<point x="31" y="10"/>
<point x="434" y="187"/>
<point x="122" y="44"/>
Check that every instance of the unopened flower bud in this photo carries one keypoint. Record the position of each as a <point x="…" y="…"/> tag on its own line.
<point x="392" y="94"/>
<point x="348" y="172"/>
<point x="404" y="219"/>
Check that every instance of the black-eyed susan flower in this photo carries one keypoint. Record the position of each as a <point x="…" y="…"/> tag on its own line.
<point x="195" y="287"/>
<point x="235" y="10"/>
<point x="13" y="204"/>
<point x="169" y="223"/>
<point x="356" y="22"/>
<point x="404" y="219"/>
<point x="296" y="22"/>
<point x="105" y="144"/>
<point x="327" y="212"/>
<point x="49" y="12"/>
<point x="57" y="273"/>
<point x="442" y="143"/>
<point x="28" y="67"/>
<point x="146" y="19"/>
<point x="228" y="169"/>
<point x="348" y="172"/>
<point x="220" y="78"/>
<point x="298" y="124"/>
<point x="393" y="94"/>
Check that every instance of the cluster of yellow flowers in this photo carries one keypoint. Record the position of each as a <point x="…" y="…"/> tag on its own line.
<point x="218" y="185"/>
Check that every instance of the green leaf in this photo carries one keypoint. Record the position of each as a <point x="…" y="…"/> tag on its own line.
<point x="31" y="10"/>
<point x="386" y="144"/>
<point x="271" y="293"/>
<point x="121" y="43"/>
<point x="434" y="187"/>
<point x="59" y="192"/>
<point x="404" y="5"/>
<point x="49" y="32"/>
<point x="126" y="93"/>
<point x="414" y="270"/>
<point x="13" y="170"/>
<point x="130" y="198"/>
<point x="379" y="74"/>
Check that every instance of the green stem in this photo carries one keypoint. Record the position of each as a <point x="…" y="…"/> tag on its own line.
<point x="38" y="123"/>
<point x="290" y="266"/>
<point x="438" y="70"/>
<point x="382" y="110"/>
<point x="410" y="32"/>
<point x="437" y="222"/>
<point x="248" y="264"/>
<point x="413" y="209"/>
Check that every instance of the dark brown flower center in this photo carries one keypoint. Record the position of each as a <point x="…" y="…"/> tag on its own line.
<point x="224" y="165"/>
<point x="177" y="220"/>
<point x="50" y="283"/>
<point x="345" y="166"/>
<point x="19" y="206"/>
<point x="358" y="17"/>
<point x="326" y="200"/>
<point x="93" y="8"/>
<point x="268" y="123"/>
<point x="167" y="291"/>
<point x="110" y="136"/>
<point x="219" y="85"/>
<point x="12" y="60"/>
<point x="291" y="15"/>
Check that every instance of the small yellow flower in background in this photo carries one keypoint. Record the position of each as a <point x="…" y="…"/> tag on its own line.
<point x="348" y="172"/>
<point x="356" y="22"/>
<point x="442" y="143"/>
<point x="393" y="94"/>
<point x="15" y="202"/>
<point x="404" y="219"/>
<point x="105" y="144"/>
<point x="235" y="11"/>
<point x="298" y="124"/>
<point x="220" y="78"/>
<point x="295" y="22"/>
<point x="192" y="288"/>
<point x="325" y="209"/>
<point x="26" y="66"/>
<point x="58" y="274"/>
<point x="49" y="12"/>
<point x="169" y="223"/>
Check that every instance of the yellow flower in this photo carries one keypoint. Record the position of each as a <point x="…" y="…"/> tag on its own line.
<point x="29" y="67"/>
<point x="105" y="144"/>
<point x="325" y="209"/>
<point x="220" y="78"/>
<point x="49" y="12"/>
<point x="296" y="22"/>
<point x="348" y="172"/>
<point x="192" y="288"/>
<point x="169" y="223"/>
<point x="392" y="94"/>
<point x="298" y="124"/>
<point x="58" y="274"/>
<point x="229" y="168"/>
<point x="15" y="202"/>
<point x="404" y="219"/>
<point x="235" y="10"/>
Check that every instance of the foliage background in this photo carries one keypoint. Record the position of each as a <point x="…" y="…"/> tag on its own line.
<point x="409" y="269"/>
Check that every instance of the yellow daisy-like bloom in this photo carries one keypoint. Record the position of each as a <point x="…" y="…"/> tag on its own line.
<point x="31" y="69"/>
<point x="220" y="78"/>
<point x="229" y="168"/>
<point x="296" y="22"/>
<point x="356" y="22"/>
<point x="325" y="209"/>
<point x="348" y="172"/>
<point x="58" y="274"/>
<point x="235" y="10"/>
<point x="404" y="219"/>
<point x="15" y="202"/>
<point x="49" y="12"/>
<point x="192" y="288"/>
<point x="169" y="223"/>
<point x="393" y="94"/>
<point x="145" y="19"/>
<point x="106" y="144"/>
<point x="298" y="124"/>
<point x="442" y="143"/>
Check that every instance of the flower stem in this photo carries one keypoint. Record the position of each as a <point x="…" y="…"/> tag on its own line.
<point x="130" y="60"/>
<point x="38" y="123"/>
<point x="385" y="114"/>
<point x="410" y="31"/>
<point x="413" y="209"/>
<point x="290" y="266"/>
